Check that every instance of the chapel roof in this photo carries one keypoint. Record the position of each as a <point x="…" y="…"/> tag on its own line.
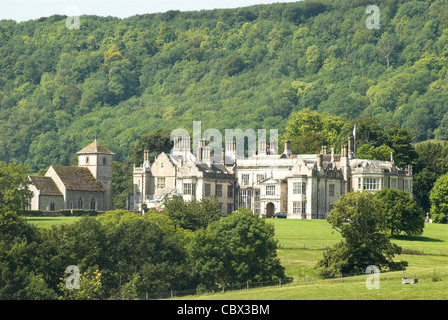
<point x="45" y="185"/>
<point x="95" y="147"/>
<point x="78" y="178"/>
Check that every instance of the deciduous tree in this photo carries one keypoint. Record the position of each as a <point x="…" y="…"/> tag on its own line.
<point x="360" y="219"/>
<point x="402" y="212"/>
<point x="439" y="200"/>
<point x="235" y="249"/>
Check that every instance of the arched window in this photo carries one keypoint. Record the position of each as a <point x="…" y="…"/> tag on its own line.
<point x="93" y="204"/>
<point x="80" y="204"/>
<point x="52" y="206"/>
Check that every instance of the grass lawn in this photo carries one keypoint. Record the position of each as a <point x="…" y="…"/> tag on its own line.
<point x="301" y="244"/>
<point x="48" y="222"/>
<point x="353" y="288"/>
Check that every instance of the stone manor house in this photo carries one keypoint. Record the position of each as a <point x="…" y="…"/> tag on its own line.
<point x="304" y="186"/>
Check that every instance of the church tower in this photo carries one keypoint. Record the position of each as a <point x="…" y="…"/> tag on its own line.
<point x="98" y="159"/>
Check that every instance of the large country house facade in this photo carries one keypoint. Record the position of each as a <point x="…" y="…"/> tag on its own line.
<point x="303" y="186"/>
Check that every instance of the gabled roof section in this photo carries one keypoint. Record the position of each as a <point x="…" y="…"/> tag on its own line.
<point x="218" y="171"/>
<point x="46" y="186"/>
<point x="372" y="164"/>
<point x="80" y="179"/>
<point x="95" y="147"/>
<point x="270" y="181"/>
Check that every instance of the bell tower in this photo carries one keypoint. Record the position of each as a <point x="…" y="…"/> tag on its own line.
<point x="98" y="159"/>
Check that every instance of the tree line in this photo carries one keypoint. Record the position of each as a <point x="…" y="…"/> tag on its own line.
<point x="122" y="255"/>
<point x="123" y="78"/>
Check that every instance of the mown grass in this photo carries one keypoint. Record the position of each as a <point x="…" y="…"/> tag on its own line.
<point x="301" y="244"/>
<point x="48" y="222"/>
<point x="351" y="288"/>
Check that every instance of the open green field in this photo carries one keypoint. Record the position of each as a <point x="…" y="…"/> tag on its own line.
<point x="301" y="244"/>
<point x="48" y="222"/>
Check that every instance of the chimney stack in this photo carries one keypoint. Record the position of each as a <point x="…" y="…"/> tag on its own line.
<point x="319" y="161"/>
<point x="324" y="150"/>
<point x="199" y="151"/>
<point x="343" y="151"/>
<point x="146" y="162"/>
<point x="288" y="148"/>
<point x="351" y="147"/>
<point x="206" y="154"/>
<point x="262" y="148"/>
<point x="231" y="150"/>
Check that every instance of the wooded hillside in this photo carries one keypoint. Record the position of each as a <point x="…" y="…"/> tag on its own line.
<point x="229" y="68"/>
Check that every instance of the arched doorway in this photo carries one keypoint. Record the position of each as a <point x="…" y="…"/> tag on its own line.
<point x="270" y="208"/>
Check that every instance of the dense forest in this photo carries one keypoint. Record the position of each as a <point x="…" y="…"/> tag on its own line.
<point x="228" y="68"/>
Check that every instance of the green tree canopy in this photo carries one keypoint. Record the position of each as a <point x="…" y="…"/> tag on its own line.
<point x="192" y="215"/>
<point x="439" y="200"/>
<point x="400" y="140"/>
<point x="402" y="212"/>
<point x="309" y="130"/>
<point x="156" y="142"/>
<point x="14" y="192"/>
<point x="360" y="218"/>
<point x="235" y="249"/>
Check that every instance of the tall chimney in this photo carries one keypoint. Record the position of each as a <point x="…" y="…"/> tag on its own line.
<point x="206" y="154"/>
<point x="234" y="150"/>
<point x="199" y="152"/>
<point x="288" y="148"/>
<point x="146" y="162"/>
<point x="262" y="148"/>
<point x="187" y="143"/>
<point x="271" y="147"/>
<point x="351" y="147"/>
<point x="343" y="151"/>
<point x="231" y="150"/>
<point x="319" y="161"/>
<point x="324" y="150"/>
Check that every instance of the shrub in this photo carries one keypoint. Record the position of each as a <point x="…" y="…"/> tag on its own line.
<point x="30" y="213"/>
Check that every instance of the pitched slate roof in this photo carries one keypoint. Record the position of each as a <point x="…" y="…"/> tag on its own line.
<point x="46" y="186"/>
<point x="80" y="179"/>
<point x="95" y="147"/>
<point x="214" y="171"/>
